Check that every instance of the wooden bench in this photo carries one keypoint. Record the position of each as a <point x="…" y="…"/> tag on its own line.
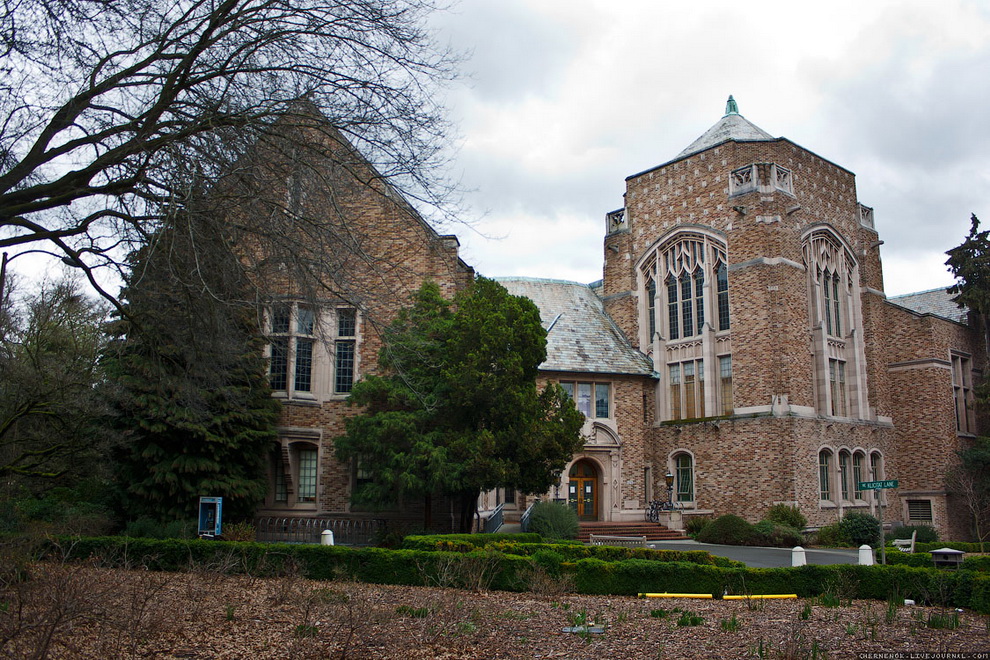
<point x="621" y="541"/>
<point x="905" y="545"/>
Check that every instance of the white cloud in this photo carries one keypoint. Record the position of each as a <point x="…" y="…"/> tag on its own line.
<point x="584" y="93"/>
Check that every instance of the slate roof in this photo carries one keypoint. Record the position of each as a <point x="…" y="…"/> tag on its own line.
<point x="581" y="337"/>
<point x="935" y="301"/>
<point x="732" y="126"/>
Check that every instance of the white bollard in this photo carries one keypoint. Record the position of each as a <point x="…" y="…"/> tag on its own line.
<point x="797" y="557"/>
<point x="327" y="537"/>
<point x="865" y="555"/>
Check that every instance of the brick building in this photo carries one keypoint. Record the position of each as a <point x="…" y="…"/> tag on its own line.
<point x="740" y="341"/>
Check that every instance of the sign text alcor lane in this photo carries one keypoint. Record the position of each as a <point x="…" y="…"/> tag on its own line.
<point x="877" y="485"/>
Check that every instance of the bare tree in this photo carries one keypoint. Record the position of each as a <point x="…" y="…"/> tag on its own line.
<point x="48" y="371"/>
<point x="114" y="115"/>
<point x="968" y="482"/>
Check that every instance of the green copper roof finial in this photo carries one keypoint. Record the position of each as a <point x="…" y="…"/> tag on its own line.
<point x="731" y="107"/>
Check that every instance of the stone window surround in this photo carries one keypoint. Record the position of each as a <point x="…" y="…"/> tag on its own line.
<point x="325" y="339"/>
<point x="707" y="346"/>
<point x="868" y="458"/>
<point x="962" y="392"/>
<point x="672" y="467"/>
<point x="595" y="385"/>
<point x="291" y="442"/>
<point x="827" y="256"/>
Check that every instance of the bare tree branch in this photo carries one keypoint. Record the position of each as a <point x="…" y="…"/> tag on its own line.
<point x="113" y="113"/>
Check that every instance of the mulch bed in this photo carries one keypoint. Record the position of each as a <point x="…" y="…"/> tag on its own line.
<point x="79" y="611"/>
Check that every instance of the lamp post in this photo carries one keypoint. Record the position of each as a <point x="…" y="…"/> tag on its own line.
<point x="669" y="479"/>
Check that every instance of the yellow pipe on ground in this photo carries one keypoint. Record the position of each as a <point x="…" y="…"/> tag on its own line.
<point x="764" y="597"/>
<point x="666" y="595"/>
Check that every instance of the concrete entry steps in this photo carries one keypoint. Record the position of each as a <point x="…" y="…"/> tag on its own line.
<point x="652" y="531"/>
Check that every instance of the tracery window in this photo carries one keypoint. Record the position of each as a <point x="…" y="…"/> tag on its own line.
<point x="687" y="279"/>
<point x="833" y="309"/>
<point x="695" y="276"/>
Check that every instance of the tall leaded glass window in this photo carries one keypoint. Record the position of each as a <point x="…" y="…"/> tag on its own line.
<point x="673" y="317"/>
<point x="722" y="292"/>
<point x="344" y="348"/>
<point x="684" y="478"/>
<point x="841" y="388"/>
<point x="307" y="474"/>
<point x="688" y="274"/>
<point x="695" y="280"/>
<point x="725" y="383"/>
<point x="825" y="475"/>
<point x="651" y="305"/>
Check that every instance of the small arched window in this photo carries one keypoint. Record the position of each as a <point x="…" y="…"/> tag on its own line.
<point x="684" y="477"/>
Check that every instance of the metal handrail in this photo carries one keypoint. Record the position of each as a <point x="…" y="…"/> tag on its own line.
<point x="295" y="529"/>
<point x="495" y="520"/>
<point x="524" y="518"/>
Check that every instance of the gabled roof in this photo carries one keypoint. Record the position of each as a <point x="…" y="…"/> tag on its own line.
<point x="581" y="337"/>
<point x="733" y="126"/>
<point x="937" y="302"/>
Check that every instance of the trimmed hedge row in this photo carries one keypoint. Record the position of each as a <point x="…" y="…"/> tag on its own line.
<point x="519" y="545"/>
<point x="463" y="542"/>
<point x="610" y="553"/>
<point x="955" y="545"/>
<point x="963" y="588"/>
<point x="632" y="576"/>
<point x="980" y="563"/>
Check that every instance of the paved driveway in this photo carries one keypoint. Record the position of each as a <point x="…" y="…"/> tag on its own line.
<point x="763" y="557"/>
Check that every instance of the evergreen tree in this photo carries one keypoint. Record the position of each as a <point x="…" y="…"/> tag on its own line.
<point x="190" y="385"/>
<point x="458" y="411"/>
<point x="969" y="263"/>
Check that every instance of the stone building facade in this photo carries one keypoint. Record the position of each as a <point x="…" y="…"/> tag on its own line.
<point x="740" y="342"/>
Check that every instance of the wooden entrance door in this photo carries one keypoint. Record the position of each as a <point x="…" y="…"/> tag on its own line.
<point x="582" y="490"/>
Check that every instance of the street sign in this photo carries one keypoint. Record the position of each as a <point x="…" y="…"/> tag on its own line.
<point x="877" y="485"/>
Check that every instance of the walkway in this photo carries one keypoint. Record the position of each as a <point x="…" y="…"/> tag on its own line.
<point x="764" y="557"/>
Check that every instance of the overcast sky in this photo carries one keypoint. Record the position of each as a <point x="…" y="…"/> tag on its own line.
<point x="566" y="98"/>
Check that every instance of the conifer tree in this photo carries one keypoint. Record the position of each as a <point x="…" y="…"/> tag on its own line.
<point x="190" y="386"/>
<point x="458" y="411"/>
<point x="969" y="263"/>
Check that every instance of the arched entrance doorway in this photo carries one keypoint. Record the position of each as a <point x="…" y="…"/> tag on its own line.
<point x="582" y="490"/>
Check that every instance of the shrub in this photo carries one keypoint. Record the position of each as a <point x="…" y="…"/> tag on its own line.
<point x="926" y="533"/>
<point x="980" y="563"/>
<point x="860" y="528"/>
<point x="550" y="561"/>
<point x="729" y="530"/>
<point x="784" y="514"/>
<point x="241" y="531"/>
<point x="831" y="536"/>
<point x="778" y="535"/>
<point x="552" y="520"/>
<point x="695" y="524"/>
